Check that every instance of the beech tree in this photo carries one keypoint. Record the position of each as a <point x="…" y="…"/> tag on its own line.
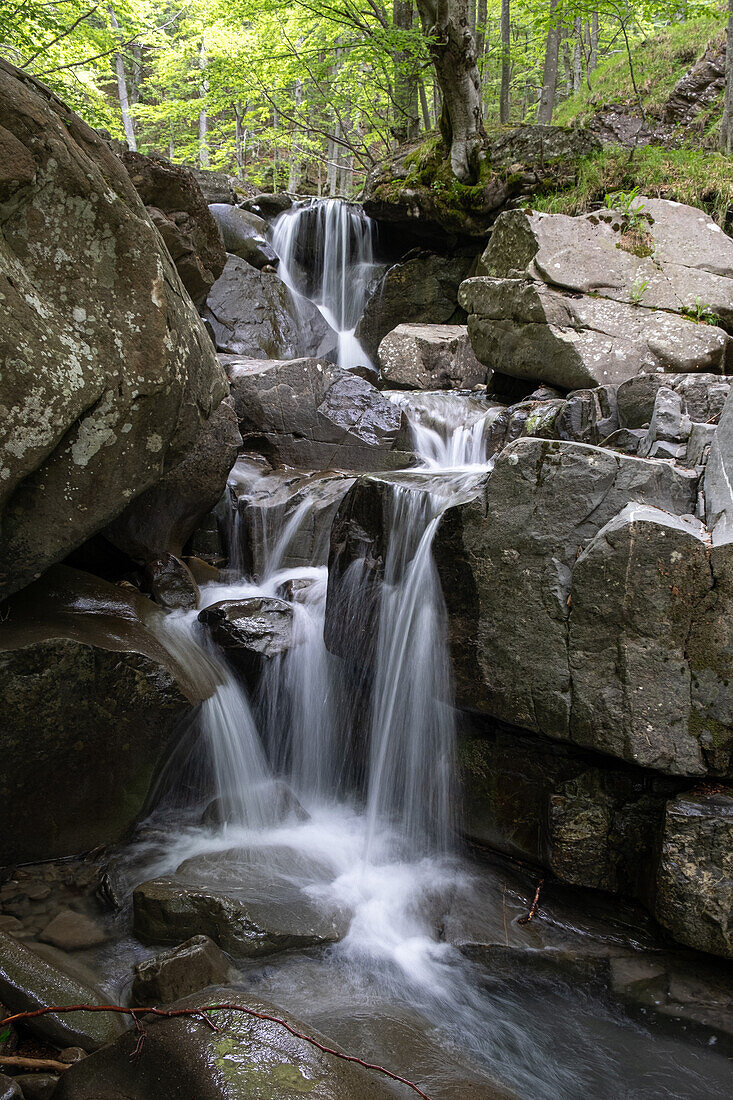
<point x="726" y="125"/>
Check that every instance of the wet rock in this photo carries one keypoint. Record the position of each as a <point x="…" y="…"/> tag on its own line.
<point x="27" y="982"/>
<point x="254" y="314"/>
<point x="430" y="357"/>
<point x="243" y="235"/>
<point x="261" y="625"/>
<point x="507" y="562"/>
<point x="422" y="289"/>
<point x="102" y="402"/>
<point x="695" y="879"/>
<point x="91" y="702"/>
<point x="171" y="583"/>
<point x="186" y="969"/>
<point x="71" y="1055"/>
<point x="268" y="205"/>
<point x="164" y="518"/>
<point x="311" y="414"/>
<point x="9" y="1088"/>
<point x="37" y="1086"/>
<point x="202" y="572"/>
<point x="72" y="931"/>
<point x="179" y="212"/>
<point x="247" y="1057"/>
<point x="167" y="910"/>
<point x="530" y="330"/>
<point x="590" y="821"/>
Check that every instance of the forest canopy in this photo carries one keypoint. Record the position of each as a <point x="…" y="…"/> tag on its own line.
<point x="307" y="95"/>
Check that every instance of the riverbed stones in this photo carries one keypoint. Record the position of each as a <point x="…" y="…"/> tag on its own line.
<point x="177" y="973"/>
<point x="695" y="879"/>
<point x="252" y="313"/>
<point x="430" y="357"/>
<point x="244" y="1058"/>
<point x="598" y="298"/>
<point x="168" y="910"/>
<point x="99" y="400"/>
<point x="311" y="414"/>
<point x="72" y="931"/>
<point x="28" y="981"/>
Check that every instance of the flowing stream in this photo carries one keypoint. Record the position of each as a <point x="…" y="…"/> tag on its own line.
<point x="368" y="831"/>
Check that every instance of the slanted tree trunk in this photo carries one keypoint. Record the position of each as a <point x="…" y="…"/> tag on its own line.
<point x="240" y="139"/>
<point x="505" y="62"/>
<point x="453" y="54"/>
<point x="577" y="55"/>
<point x="549" y="75"/>
<point x="406" y="119"/>
<point x="726" y="125"/>
<point x="122" y="91"/>
<point x="203" y="117"/>
<point x="295" y="150"/>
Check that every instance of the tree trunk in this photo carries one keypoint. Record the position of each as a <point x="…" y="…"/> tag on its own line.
<point x="549" y="75"/>
<point x="203" y="118"/>
<point x="453" y="54"/>
<point x="425" y="107"/>
<point x="577" y="55"/>
<point x="240" y="139"/>
<point x="726" y="124"/>
<point x="505" y="62"/>
<point x="295" y="150"/>
<point x="406" y="118"/>
<point x="122" y="91"/>
<point x="593" y="57"/>
<point x="480" y="36"/>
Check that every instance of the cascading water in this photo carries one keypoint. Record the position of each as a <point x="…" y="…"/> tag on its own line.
<point x="326" y="250"/>
<point x="374" y="770"/>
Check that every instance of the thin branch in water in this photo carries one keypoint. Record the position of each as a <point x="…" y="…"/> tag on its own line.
<point x="535" y="904"/>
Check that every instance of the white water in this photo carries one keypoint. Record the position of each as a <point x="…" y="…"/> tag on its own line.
<point x="375" y="772"/>
<point x="340" y="240"/>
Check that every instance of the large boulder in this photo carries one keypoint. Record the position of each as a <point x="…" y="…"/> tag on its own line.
<point x="309" y="413"/>
<point x="162" y="519"/>
<point x="244" y="234"/>
<point x="252" y="313"/>
<point x="177" y="973"/>
<point x="695" y="879"/>
<point x="599" y="298"/>
<point x="527" y="329"/>
<point x="430" y="357"/>
<point x="97" y="400"/>
<point x="28" y="981"/>
<point x="244" y="1057"/>
<point x="178" y="210"/>
<point x="422" y="289"/>
<point x="93" y="695"/>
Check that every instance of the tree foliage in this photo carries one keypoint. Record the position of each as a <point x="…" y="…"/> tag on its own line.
<point x="309" y="94"/>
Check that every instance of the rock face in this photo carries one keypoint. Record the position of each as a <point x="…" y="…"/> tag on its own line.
<point x="309" y="413"/>
<point x="162" y="519"/>
<point x="430" y="357"/>
<point x="421" y="289"/>
<point x="92" y="699"/>
<point x="250" y="631"/>
<point x="695" y="880"/>
<point x="98" y="400"/>
<point x="600" y="298"/>
<point x="243" y="235"/>
<point x="28" y="981"/>
<point x="590" y="822"/>
<point x="178" y="210"/>
<point x="245" y="1058"/>
<point x="252" y="313"/>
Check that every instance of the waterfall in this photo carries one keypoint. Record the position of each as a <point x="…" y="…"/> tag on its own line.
<point x="326" y="250"/>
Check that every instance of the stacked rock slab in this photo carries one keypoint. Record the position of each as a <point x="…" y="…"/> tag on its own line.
<point x="597" y="299"/>
<point x="98" y="400"/>
<point x="430" y="357"/>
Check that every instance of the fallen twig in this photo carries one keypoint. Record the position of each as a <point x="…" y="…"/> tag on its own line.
<point x="535" y="904"/>
<point x="33" y="1063"/>
<point x="202" y="1013"/>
